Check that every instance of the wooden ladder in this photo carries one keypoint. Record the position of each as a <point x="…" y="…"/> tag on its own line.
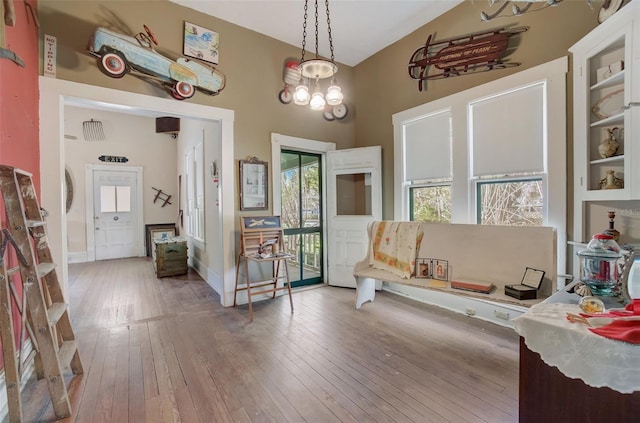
<point x="44" y="303"/>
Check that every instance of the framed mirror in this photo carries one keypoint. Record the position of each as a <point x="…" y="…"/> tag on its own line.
<point x="253" y="184"/>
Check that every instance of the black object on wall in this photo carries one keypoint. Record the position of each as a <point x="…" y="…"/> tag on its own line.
<point x="167" y="125"/>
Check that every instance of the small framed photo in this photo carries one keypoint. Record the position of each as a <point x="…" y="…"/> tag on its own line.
<point x="201" y="43"/>
<point x="423" y="268"/>
<point x="440" y="269"/>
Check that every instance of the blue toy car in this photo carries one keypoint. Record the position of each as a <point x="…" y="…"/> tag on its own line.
<point x="119" y="54"/>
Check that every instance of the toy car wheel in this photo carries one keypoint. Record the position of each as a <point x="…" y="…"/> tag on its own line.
<point x="113" y="64"/>
<point x="175" y="95"/>
<point x="328" y="113"/>
<point x="184" y="89"/>
<point x="340" y="111"/>
<point x="284" y="96"/>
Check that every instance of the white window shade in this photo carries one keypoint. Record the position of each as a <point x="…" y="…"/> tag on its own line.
<point x="428" y="147"/>
<point x="508" y="132"/>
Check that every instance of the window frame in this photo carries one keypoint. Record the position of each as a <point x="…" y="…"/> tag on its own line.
<point x="194" y="183"/>
<point x="463" y="195"/>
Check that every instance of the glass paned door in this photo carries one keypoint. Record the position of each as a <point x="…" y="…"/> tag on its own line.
<point x="301" y="215"/>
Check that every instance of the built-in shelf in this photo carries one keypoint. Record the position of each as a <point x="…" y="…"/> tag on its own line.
<point x="611" y="159"/>
<point x="611" y="120"/>
<point x="612" y="81"/>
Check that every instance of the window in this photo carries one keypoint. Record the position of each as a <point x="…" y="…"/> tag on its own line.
<point x="115" y="199"/>
<point x="509" y="189"/>
<point x="510" y="202"/>
<point x="194" y="180"/>
<point x="495" y="154"/>
<point x="430" y="202"/>
<point x="427" y="175"/>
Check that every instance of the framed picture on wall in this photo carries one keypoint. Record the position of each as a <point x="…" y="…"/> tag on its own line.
<point x="201" y="43"/>
<point x="253" y="184"/>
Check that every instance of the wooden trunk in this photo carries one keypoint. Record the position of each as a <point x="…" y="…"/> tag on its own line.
<point x="170" y="257"/>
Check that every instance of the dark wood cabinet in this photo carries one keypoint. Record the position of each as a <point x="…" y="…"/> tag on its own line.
<point x="547" y="395"/>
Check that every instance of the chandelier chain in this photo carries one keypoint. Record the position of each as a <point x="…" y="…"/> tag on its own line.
<point x="329" y="30"/>
<point x="316" y="29"/>
<point x="304" y="29"/>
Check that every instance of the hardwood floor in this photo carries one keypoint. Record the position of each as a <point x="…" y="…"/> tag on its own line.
<point x="164" y="350"/>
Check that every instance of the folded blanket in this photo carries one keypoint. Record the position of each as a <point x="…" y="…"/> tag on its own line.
<point x="394" y="246"/>
<point x="622" y="330"/>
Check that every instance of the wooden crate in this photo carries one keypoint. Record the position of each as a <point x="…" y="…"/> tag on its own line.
<point x="170" y="256"/>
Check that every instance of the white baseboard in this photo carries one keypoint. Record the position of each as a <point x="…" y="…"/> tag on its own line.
<point x="77" y="257"/>
<point x="501" y="314"/>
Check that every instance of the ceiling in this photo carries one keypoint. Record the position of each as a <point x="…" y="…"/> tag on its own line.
<point x="359" y="28"/>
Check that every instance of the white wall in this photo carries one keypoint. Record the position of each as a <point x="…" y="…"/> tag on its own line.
<point x="204" y="255"/>
<point x="127" y="135"/>
<point x="627" y="219"/>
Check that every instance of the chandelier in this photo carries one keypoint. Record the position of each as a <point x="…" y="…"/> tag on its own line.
<point x="312" y="71"/>
<point x="517" y="9"/>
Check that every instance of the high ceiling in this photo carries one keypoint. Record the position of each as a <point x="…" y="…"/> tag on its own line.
<point x="359" y="28"/>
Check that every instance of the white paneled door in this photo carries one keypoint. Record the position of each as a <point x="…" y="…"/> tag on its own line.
<point x="354" y="198"/>
<point x="115" y="214"/>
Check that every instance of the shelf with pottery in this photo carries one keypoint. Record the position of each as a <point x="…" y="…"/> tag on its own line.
<point x="605" y="70"/>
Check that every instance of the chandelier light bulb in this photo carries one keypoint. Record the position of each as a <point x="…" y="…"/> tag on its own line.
<point x="301" y="96"/>
<point x="334" y="95"/>
<point x="317" y="101"/>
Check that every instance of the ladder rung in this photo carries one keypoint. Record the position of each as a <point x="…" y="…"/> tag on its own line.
<point x="35" y="223"/>
<point x="66" y="352"/>
<point x="22" y="172"/>
<point x="29" y="357"/>
<point x="13" y="270"/>
<point x="45" y="268"/>
<point x="55" y="312"/>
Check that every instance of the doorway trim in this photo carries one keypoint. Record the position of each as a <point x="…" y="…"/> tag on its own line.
<point x="56" y="93"/>
<point x="281" y="142"/>
<point x="89" y="204"/>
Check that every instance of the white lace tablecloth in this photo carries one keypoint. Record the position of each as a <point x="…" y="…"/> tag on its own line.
<point x="576" y="351"/>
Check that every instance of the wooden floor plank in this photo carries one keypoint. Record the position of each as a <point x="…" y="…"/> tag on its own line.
<point x="164" y="350"/>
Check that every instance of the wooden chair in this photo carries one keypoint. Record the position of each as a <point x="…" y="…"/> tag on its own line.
<point x="262" y="241"/>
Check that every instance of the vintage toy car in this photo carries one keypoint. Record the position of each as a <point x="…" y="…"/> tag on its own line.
<point x="119" y="54"/>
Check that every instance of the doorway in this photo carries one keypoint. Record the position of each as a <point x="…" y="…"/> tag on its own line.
<point x="56" y="94"/>
<point x="301" y="214"/>
<point x="116" y="203"/>
<point x="354" y="199"/>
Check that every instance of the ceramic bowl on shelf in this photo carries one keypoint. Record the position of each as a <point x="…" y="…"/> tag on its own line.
<point x="610" y="105"/>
